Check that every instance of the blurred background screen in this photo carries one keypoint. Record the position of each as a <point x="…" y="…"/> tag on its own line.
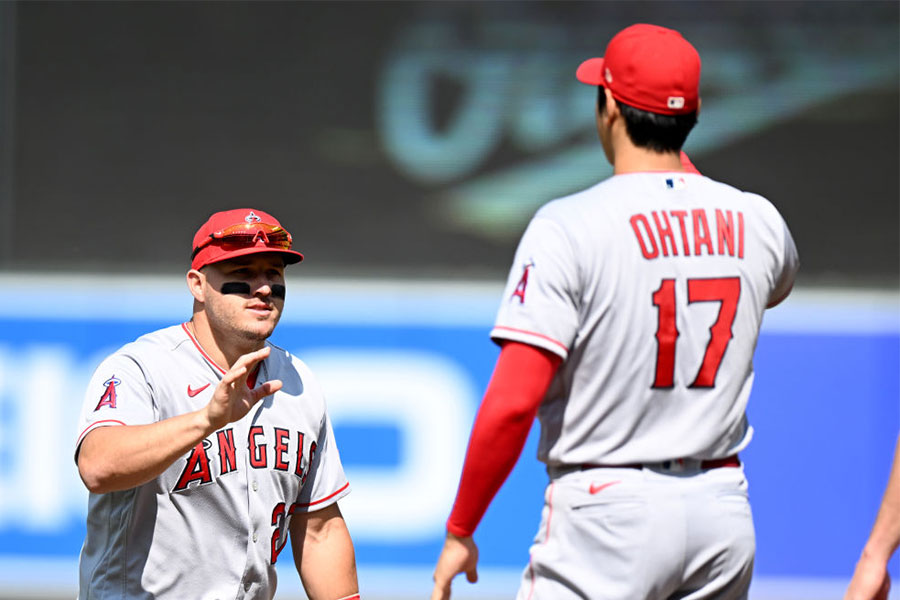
<point x="406" y="145"/>
<point x="417" y="138"/>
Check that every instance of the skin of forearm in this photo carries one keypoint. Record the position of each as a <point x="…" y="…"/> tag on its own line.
<point x="121" y="457"/>
<point x="885" y="536"/>
<point x="325" y="560"/>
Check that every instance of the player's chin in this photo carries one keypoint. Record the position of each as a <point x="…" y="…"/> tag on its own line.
<point x="256" y="334"/>
<point x="261" y="328"/>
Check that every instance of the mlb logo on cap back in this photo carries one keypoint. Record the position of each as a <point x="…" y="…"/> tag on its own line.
<point x="648" y="67"/>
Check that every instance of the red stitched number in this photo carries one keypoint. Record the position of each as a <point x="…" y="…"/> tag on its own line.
<point x="279" y="536"/>
<point x="726" y="291"/>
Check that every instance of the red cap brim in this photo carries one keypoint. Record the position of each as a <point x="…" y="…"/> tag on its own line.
<point x="204" y="258"/>
<point x="591" y="72"/>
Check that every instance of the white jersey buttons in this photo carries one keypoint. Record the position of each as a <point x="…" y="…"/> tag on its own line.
<point x="255" y="486"/>
<point x="255" y="536"/>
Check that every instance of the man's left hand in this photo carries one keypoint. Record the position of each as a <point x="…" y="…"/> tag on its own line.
<point x="459" y="555"/>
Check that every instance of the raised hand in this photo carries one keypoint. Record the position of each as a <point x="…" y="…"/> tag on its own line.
<point x="232" y="399"/>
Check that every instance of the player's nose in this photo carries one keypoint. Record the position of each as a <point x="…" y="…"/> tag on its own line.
<point x="267" y="288"/>
<point x="262" y="288"/>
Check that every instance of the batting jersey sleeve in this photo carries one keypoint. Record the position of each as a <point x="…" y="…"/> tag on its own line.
<point x="326" y="482"/>
<point x="540" y="302"/>
<point x="118" y="394"/>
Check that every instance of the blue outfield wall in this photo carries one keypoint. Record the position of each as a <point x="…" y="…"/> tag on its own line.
<point x="404" y="366"/>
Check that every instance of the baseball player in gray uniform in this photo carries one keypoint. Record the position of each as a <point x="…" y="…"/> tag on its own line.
<point x="204" y="447"/>
<point x="628" y="326"/>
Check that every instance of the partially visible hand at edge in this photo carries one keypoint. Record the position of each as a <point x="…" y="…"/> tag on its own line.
<point x="459" y="555"/>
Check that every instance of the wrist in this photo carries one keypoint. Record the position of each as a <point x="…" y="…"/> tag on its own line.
<point x="457" y="531"/>
<point x="875" y="554"/>
<point x="202" y="422"/>
<point x="458" y="535"/>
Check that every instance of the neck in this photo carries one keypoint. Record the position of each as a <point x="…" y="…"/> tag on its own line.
<point x="628" y="158"/>
<point x="631" y="159"/>
<point x="217" y="346"/>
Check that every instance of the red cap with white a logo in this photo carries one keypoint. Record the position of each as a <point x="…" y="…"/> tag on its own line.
<point x="232" y="233"/>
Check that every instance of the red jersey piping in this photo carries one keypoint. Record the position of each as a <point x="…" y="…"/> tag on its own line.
<point x="92" y="425"/>
<point x="251" y="378"/>
<point x="200" y="348"/>
<point x="543" y="337"/>
<point x="328" y="497"/>
<point x="546" y="539"/>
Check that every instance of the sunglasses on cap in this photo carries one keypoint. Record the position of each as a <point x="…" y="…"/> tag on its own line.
<point x="246" y="235"/>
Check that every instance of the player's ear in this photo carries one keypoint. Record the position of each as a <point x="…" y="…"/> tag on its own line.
<point x="612" y="109"/>
<point x="195" y="283"/>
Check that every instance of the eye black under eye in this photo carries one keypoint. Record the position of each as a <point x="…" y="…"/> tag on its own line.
<point x="235" y="287"/>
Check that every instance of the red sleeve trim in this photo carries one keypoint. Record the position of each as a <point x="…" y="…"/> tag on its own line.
<point x="537" y="335"/>
<point x="328" y="497"/>
<point x="350" y="597"/>
<point x="98" y="423"/>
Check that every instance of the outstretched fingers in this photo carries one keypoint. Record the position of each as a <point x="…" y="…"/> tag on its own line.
<point x="251" y="359"/>
<point x="245" y="365"/>
<point x="232" y="398"/>
<point x="459" y="555"/>
<point x="235" y="374"/>
<point x="267" y="389"/>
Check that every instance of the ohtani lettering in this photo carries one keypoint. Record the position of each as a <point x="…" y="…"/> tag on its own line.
<point x="689" y="233"/>
<point x="214" y="457"/>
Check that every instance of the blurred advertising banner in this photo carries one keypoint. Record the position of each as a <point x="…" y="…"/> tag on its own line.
<point x="403" y="366"/>
<point x="419" y="137"/>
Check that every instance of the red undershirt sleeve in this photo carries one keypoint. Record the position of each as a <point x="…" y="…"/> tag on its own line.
<point x="520" y="381"/>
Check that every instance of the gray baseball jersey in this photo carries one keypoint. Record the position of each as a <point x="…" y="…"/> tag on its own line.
<point x="213" y="523"/>
<point x="652" y="287"/>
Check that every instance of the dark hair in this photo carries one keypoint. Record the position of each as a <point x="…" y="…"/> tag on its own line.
<point x="660" y="133"/>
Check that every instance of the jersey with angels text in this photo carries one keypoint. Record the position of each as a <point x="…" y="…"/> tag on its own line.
<point x="651" y="287"/>
<point x="213" y="524"/>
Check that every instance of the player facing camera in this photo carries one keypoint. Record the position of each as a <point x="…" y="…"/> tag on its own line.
<point x="207" y="432"/>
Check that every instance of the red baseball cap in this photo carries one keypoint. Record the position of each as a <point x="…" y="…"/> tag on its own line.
<point x="232" y="233"/>
<point x="648" y="67"/>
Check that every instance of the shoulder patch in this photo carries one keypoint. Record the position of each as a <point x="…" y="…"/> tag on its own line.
<point x="109" y="395"/>
<point x="519" y="292"/>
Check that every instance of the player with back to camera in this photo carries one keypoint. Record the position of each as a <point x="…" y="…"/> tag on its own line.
<point x="628" y="326"/>
<point x="204" y="446"/>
